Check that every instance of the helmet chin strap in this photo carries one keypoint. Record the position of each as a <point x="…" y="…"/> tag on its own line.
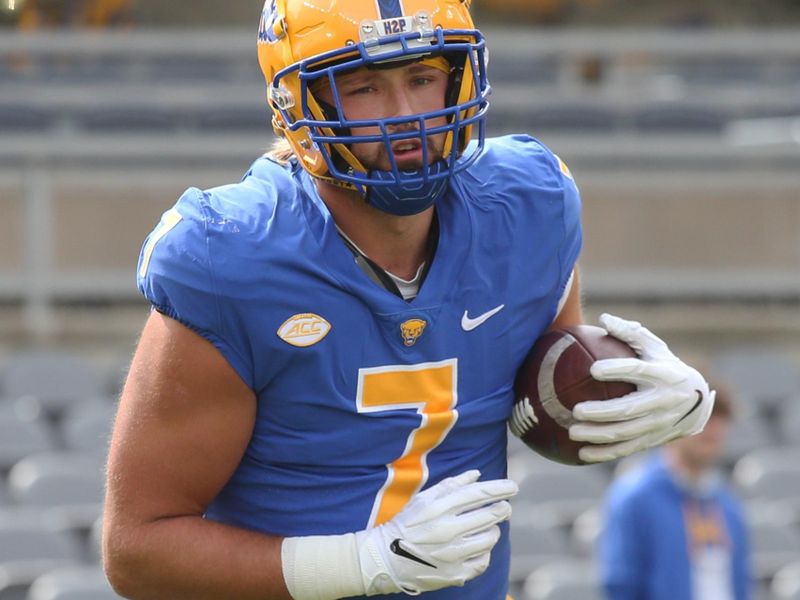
<point x="405" y="200"/>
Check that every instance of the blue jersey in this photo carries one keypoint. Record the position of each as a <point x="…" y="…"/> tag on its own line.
<point x="364" y="398"/>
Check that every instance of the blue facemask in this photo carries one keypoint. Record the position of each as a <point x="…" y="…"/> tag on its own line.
<point x="409" y="199"/>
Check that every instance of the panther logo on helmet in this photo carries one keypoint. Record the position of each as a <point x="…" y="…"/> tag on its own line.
<point x="266" y="27"/>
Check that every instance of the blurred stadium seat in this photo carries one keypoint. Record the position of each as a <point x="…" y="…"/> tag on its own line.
<point x="771" y="482"/>
<point x="766" y="458"/>
<point x="73" y="583"/>
<point x="522" y="460"/>
<point x="719" y="70"/>
<point x="71" y="71"/>
<point x="533" y="545"/>
<point x="86" y="425"/>
<point x="775" y="544"/>
<point x="536" y="71"/>
<point x="786" y="583"/>
<point x="29" y="547"/>
<point x="57" y="479"/>
<point x="25" y="408"/>
<point x="766" y="374"/>
<point x="20" y="438"/>
<point x="94" y="541"/>
<point x="588" y="117"/>
<point x="21" y="118"/>
<point x="560" y="496"/>
<point x="789" y="423"/>
<point x="747" y="435"/>
<point x="232" y="118"/>
<point x="520" y="114"/>
<point x="585" y="531"/>
<point x="128" y="118"/>
<point x="672" y="118"/>
<point x="563" y="580"/>
<point x="115" y="375"/>
<point x="55" y="377"/>
<point x="187" y="69"/>
<point x="69" y="486"/>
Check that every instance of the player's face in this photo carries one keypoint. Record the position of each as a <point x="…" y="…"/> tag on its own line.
<point x="393" y="92"/>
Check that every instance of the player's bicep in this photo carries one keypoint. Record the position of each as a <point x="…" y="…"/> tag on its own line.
<point x="184" y="421"/>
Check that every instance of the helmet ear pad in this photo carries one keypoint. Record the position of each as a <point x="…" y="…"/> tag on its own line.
<point x="457" y="62"/>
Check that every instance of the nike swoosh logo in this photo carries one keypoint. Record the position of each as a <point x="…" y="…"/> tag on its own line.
<point x="400" y="551"/>
<point x="694" y="408"/>
<point x="468" y="324"/>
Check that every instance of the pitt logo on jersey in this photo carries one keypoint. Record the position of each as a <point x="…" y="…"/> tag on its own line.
<point x="411" y="330"/>
<point x="304" y="330"/>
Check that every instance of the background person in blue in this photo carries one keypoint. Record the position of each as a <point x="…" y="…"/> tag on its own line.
<point x="674" y="529"/>
<point x="317" y="407"/>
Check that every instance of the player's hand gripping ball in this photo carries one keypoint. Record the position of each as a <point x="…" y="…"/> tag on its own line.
<point x="553" y="378"/>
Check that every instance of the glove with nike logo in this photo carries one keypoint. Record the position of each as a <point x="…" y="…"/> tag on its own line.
<point x="672" y="400"/>
<point x="443" y="537"/>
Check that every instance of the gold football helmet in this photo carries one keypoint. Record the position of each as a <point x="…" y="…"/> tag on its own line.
<point x="303" y="41"/>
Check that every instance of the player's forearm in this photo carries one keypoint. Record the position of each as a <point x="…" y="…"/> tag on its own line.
<point x="189" y="557"/>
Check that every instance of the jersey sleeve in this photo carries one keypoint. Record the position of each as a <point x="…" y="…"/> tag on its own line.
<point x="175" y="273"/>
<point x="519" y="177"/>
<point x="547" y="176"/>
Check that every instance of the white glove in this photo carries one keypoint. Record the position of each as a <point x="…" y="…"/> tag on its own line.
<point x="443" y="537"/>
<point x="672" y="400"/>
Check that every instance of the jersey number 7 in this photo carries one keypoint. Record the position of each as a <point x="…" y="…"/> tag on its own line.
<point x="428" y="388"/>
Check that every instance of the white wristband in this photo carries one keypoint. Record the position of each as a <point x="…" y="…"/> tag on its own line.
<point x="322" y="567"/>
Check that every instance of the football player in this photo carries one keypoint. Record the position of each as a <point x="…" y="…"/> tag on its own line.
<point x="317" y="406"/>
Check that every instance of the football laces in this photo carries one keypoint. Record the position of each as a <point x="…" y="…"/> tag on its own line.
<point x="523" y="419"/>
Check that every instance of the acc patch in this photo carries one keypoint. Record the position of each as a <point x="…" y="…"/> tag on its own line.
<point x="304" y="330"/>
<point x="411" y="330"/>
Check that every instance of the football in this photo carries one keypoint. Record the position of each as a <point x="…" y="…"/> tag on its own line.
<point x="553" y="378"/>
